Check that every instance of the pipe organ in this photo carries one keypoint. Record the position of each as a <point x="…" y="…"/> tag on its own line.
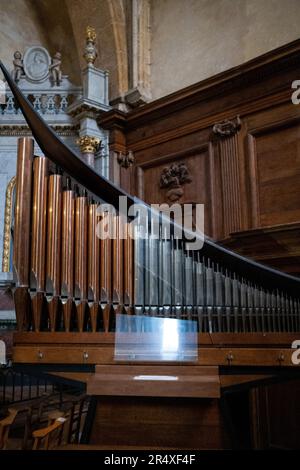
<point x="74" y="281"/>
<point x="70" y="283"/>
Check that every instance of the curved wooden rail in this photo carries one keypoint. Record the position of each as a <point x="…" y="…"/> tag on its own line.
<point x="69" y="161"/>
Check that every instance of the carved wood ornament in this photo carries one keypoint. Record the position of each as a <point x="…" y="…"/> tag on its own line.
<point x="173" y="178"/>
<point x="228" y="127"/>
<point x="126" y="160"/>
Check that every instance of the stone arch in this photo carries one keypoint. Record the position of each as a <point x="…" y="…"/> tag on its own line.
<point x="118" y="20"/>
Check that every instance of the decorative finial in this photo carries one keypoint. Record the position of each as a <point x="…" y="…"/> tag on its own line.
<point x="91" y="34"/>
<point x="90" y="53"/>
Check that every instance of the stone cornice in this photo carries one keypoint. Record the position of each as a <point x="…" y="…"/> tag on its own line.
<point x="23" y="130"/>
<point x="86" y="106"/>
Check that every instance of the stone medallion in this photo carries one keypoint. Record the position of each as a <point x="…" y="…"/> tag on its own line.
<point x="36" y="63"/>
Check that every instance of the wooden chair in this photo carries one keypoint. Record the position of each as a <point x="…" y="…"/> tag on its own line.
<point x="75" y="414"/>
<point x="50" y="436"/>
<point x="5" y="425"/>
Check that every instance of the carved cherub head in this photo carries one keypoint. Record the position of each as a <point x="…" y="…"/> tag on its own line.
<point x="17" y="55"/>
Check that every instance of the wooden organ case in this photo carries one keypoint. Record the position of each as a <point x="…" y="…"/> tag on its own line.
<point x="70" y="285"/>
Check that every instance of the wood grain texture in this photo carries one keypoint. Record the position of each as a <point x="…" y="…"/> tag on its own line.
<point x="155" y="381"/>
<point x="247" y="181"/>
<point x="275" y="416"/>
<point x="215" y="356"/>
<point x="162" y="422"/>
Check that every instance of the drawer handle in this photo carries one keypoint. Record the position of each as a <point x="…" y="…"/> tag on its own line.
<point x="85" y="356"/>
<point x="281" y="357"/>
<point x="40" y="355"/>
<point x="230" y="357"/>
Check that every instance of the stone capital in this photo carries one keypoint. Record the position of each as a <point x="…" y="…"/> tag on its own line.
<point x="88" y="144"/>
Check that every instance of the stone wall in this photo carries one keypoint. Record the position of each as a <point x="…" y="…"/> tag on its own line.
<point x="26" y="23"/>
<point x="195" y="39"/>
<point x="19" y="27"/>
<point x="189" y="41"/>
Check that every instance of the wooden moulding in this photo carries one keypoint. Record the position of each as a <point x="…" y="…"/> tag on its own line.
<point x="214" y="339"/>
<point x="104" y="354"/>
<point x="218" y="349"/>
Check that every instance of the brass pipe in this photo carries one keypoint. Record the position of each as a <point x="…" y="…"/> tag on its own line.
<point x="53" y="247"/>
<point x="80" y="291"/>
<point x="38" y="237"/>
<point x="93" y="265"/>
<point x="21" y="253"/>
<point x="67" y="256"/>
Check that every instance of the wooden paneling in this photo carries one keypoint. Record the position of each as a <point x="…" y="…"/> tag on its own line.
<point x="197" y="161"/>
<point x="275" y="153"/>
<point x="215" y="356"/>
<point x="75" y="339"/>
<point x="275" y="245"/>
<point x="158" y="422"/>
<point x="231" y="184"/>
<point x="247" y="176"/>
<point x="275" y="416"/>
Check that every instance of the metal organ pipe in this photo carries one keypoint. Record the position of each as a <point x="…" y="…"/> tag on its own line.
<point x="21" y="254"/>
<point x="38" y="237"/>
<point x="80" y="277"/>
<point x="70" y="273"/>
<point x="67" y="255"/>
<point x="53" y="264"/>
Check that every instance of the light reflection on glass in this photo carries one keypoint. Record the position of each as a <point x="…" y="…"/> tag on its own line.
<point x="144" y="338"/>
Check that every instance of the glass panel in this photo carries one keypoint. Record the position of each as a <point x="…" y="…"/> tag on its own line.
<point x="142" y="338"/>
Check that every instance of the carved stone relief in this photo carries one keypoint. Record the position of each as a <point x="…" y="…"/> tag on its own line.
<point x="36" y="63"/>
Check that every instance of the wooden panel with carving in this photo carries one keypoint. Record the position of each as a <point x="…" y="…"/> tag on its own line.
<point x="182" y="178"/>
<point x="247" y="169"/>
